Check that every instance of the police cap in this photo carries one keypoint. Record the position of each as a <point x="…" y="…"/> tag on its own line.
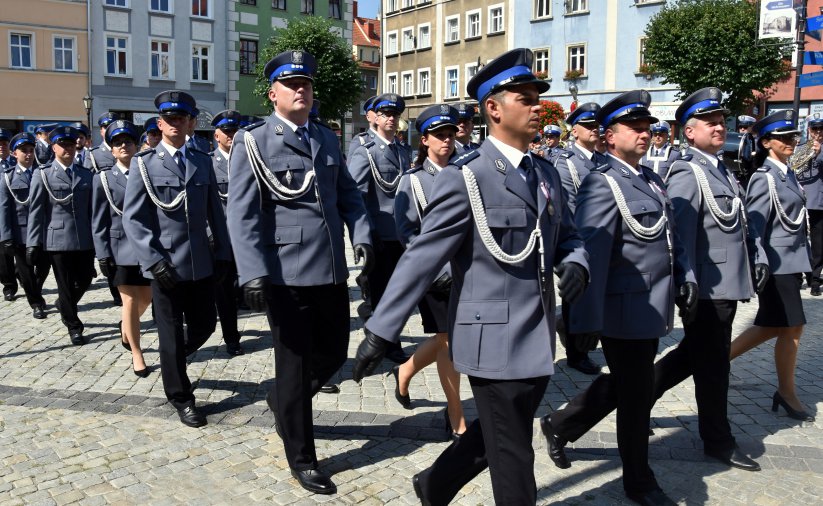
<point x="83" y="128"/>
<point x="63" y="132"/>
<point x="226" y="120"/>
<point x="703" y="101"/>
<point x="744" y="120"/>
<point x="288" y="64"/>
<point x="106" y="118"/>
<point x="150" y="125"/>
<point x="22" y="139"/>
<point x="815" y="120"/>
<point x="779" y="123"/>
<point x="436" y="117"/>
<point x="45" y="128"/>
<point x="628" y="106"/>
<point x="512" y="68"/>
<point x="465" y="111"/>
<point x="5" y="134"/>
<point x="121" y="127"/>
<point x="389" y="101"/>
<point x="552" y="130"/>
<point x="661" y="127"/>
<point x="368" y="103"/>
<point x="175" y="102"/>
<point x="585" y="114"/>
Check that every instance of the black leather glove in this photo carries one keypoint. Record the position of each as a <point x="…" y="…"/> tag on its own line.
<point x="761" y="275"/>
<point x="443" y="284"/>
<point x="254" y="293"/>
<point x="572" y="282"/>
<point x="686" y="300"/>
<point x="32" y="255"/>
<point x="212" y="245"/>
<point x="365" y="289"/>
<point x="222" y="269"/>
<point x="587" y="341"/>
<point x="7" y="245"/>
<point x="365" y="252"/>
<point x="107" y="266"/>
<point x="369" y="355"/>
<point x="165" y="274"/>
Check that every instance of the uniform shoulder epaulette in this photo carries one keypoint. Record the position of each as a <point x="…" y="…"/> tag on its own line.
<point x="368" y="144"/>
<point x="762" y="169"/>
<point x="8" y="168"/>
<point x="145" y="152"/>
<point x="565" y="154"/>
<point x="416" y="168"/>
<point x="464" y="159"/>
<point x="257" y="124"/>
<point x="686" y="157"/>
<point x="94" y="148"/>
<point x="602" y="168"/>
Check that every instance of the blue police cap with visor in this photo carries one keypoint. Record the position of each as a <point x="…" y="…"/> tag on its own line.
<point x="22" y="139"/>
<point x="368" y="103"/>
<point x="390" y="102"/>
<point x="661" y="127"/>
<point x="629" y="106"/>
<point x="45" y="128"/>
<point x="512" y="68"/>
<point x="5" y="134"/>
<point x="436" y="117"/>
<point x="701" y="102"/>
<point x="745" y="121"/>
<point x="815" y="120"/>
<point x="465" y="111"/>
<point x="779" y="123"/>
<point x="150" y="125"/>
<point x="121" y="127"/>
<point x="227" y="120"/>
<point x="289" y="64"/>
<point x="552" y="130"/>
<point x="106" y="118"/>
<point x="585" y="114"/>
<point x="64" y="133"/>
<point x="175" y="103"/>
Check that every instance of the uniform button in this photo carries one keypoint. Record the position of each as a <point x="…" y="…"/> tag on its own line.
<point x="643" y="208"/>
<point x="477" y="316"/>
<point x="277" y="238"/>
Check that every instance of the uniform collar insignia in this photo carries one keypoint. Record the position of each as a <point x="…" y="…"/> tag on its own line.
<point x="278" y="129"/>
<point x="219" y="159"/>
<point x="430" y="169"/>
<point x="161" y="154"/>
<point x="702" y="161"/>
<point x="500" y="165"/>
<point x="624" y="171"/>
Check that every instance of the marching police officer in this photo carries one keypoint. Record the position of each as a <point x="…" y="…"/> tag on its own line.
<point x="746" y="147"/>
<point x="811" y="178"/>
<point x="551" y="141"/>
<point x="481" y="216"/>
<point x="465" y="126"/>
<point x="636" y="261"/>
<point x="368" y="135"/>
<point x="7" y="276"/>
<point x="153" y="134"/>
<point x="59" y="226"/>
<point x="377" y="167"/>
<point x="289" y="197"/>
<point x="661" y="155"/>
<point x="14" y="216"/>
<point x="225" y="125"/>
<point x="192" y="139"/>
<point x="745" y="123"/>
<point x="82" y="142"/>
<point x="171" y="199"/>
<point x="100" y="157"/>
<point x="42" y="151"/>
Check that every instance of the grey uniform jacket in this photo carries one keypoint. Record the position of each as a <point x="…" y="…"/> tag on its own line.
<point x="722" y="261"/>
<point x="358" y="140"/>
<point x="99" y="158"/>
<point x="462" y="149"/>
<point x="501" y="325"/>
<point x="661" y="163"/>
<point x="110" y="240"/>
<point x="787" y="251"/>
<point x="632" y="289"/>
<point x="573" y="163"/>
<point x="179" y="236"/>
<point x="55" y="226"/>
<point x="43" y="153"/>
<point x="811" y="178"/>
<point x="296" y="242"/>
<point x="220" y="165"/>
<point x="14" y="217"/>
<point x="379" y="204"/>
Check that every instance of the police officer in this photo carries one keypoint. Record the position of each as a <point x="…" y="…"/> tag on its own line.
<point x="59" y="226"/>
<point x="746" y="147"/>
<point x="286" y="224"/>
<point x="811" y="178"/>
<point x="465" y="126"/>
<point x="192" y="139"/>
<point x="636" y="261"/>
<point x="367" y="135"/>
<point x="376" y="167"/>
<point x="14" y="215"/>
<point x="82" y="143"/>
<point x="171" y="199"/>
<point x="42" y="151"/>
<point x="551" y="142"/>
<point x="7" y="276"/>
<point x="502" y="289"/>
<point x="661" y="155"/>
<point x="152" y="131"/>
<point x="225" y="125"/>
<point x="745" y="123"/>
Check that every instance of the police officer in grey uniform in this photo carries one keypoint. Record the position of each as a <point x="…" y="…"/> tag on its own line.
<point x="746" y="147"/>
<point x="368" y="135"/>
<point x="465" y="126"/>
<point x="82" y="143"/>
<point x="226" y="124"/>
<point x="171" y="199"/>
<point x="42" y="150"/>
<point x="14" y="216"/>
<point x="811" y="179"/>
<point x="661" y="155"/>
<point x="59" y="226"/>
<point x="152" y="131"/>
<point x="482" y="214"/>
<point x="7" y="275"/>
<point x="637" y="264"/>
<point x="99" y="157"/>
<point x="377" y="167"/>
<point x="289" y="196"/>
<point x="551" y="142"/>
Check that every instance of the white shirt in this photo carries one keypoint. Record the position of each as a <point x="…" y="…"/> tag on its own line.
<point x="123" y="168"/>
<point x="172" y="150"/>
<point x="512" y="154"/>
<point x="291" y="125"/>
<point x="585" y="151"/>
<point x="225" y="155"/>
<point x="780" y="165"/>
<point x="711" y="158"/>
<point x="60" y="165"/>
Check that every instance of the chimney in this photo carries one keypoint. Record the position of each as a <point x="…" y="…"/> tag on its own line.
<point x="354" y="9"/>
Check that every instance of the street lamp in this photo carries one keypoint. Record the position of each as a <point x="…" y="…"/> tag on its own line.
<point x="573" y="89"/>
<point x="87" y="100"/>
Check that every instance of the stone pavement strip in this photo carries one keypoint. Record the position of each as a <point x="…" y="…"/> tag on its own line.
<point x="76" y="426"/>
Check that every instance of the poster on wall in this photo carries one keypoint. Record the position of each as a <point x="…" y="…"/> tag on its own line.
<point x="777" y="19"/>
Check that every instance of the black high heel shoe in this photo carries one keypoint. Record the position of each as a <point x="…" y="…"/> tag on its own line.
<point x="123" y="340"/>
<point x="778" y="400"/>
<point x="404" y="400"/>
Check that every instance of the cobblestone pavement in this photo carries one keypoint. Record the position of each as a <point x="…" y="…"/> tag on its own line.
<point x="76" y="426"/>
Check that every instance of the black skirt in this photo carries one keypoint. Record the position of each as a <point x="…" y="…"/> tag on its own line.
<point x="780" y="302"/>
<point x="434" y="311"/>
<point x="129" y="275"/>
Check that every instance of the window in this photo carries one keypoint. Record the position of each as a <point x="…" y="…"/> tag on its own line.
<point x="641" y="49"/>
<point x="452" y="29"/>
<point x="408" y="83"/>
<point x="424" y="39"/>
<point x="541" y="61"/>
<point x="496" y="19"/>
<point x="542" y="9"/>
<point x="249" y="2"/>
<point x="408" y="39"/>
<point x="21" y="50"/>
<point x="64" y="53"/>
<point x="392" y="5"/>
<point x="307" y="6"/>
<point x="278" y="4"/>
<point x="117" y="3"/>
<point x="471" y="70"/>
<point x="391" y="46"/>
<point x="117" y="63"/>
<point x="391" y="83"/>
<point x="200" y="63"/>
<point x="200" y="8"/>
<point x="248" y="56"/>
<point x="160" y="59"/>
<point x="408" y="3"/>
<point x="452" y="75"/>
<point x="160" y="5"/>
<point x="473" y="24"/>
<point x="334" y="9"/>
<point x="576" y="58"/>
<point x="371" y="81"/>
<point x="576" y="6"/>
<point x="424" y="84"/>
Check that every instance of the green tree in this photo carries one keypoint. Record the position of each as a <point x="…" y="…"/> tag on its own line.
<point x="698" y="43"/>
<point x="337" y="82"/>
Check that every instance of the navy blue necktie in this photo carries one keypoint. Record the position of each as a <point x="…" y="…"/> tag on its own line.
<point x="180" y="162"/>
<point x="531" y="175"/>
<point x="68" y="173"/>
<point x="303" y="134"/>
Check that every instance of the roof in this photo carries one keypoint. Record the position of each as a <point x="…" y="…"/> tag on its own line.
<point x="366" y="32"/>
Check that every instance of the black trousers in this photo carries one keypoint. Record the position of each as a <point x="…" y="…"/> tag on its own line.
<point x="73" y="272"/>
<point x="572" y="353"/>
<point x="191" y="302"/>
<point x="386" y="257"/>
<point x="310" y="330"/>
<point x="7" y="276"/>
<point x="32" y="278"/>
<point x="225" y="297"/>
<point x="500" y="439"/>
<point x="629" y="388"/>
<point x="816" y="237"/>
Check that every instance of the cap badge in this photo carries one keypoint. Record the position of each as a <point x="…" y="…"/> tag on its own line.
<point x="444" y="109"/>
<point x="500" y="165"/>
<point x="297" y="57"/>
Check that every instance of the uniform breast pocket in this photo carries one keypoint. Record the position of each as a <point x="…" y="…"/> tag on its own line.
<point x="167" y="188"/>
<point x="646" y="212"/>
<point x="289" y="170"/>
<point x="481" y="338"/>
<point x="286" y="242"/>
<point x="508" y="226"/>
<point x="60" y="190"/>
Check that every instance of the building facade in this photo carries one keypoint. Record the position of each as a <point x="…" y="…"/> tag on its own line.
<point x="44" y="64"/>
<point x="143" y="47"/>
<point x="366" y="50"/>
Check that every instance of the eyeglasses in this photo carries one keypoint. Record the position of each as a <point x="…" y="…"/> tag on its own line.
<point x="122" y="142"/>
<point x="388" y="114"/>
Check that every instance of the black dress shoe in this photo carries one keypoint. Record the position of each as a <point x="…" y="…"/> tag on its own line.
<point x="234" y="349"/>
<point x="191" y="417"/>
<point x="556" y="444"/>
<point x="815" y="291"/>
<point x="418" y="490"/>
<point x="314" y="481"/>
<point x="330" y="388"/>
<point x="397" y="355"/>
<point x="651" y="498"/>
<point x="76" y="337"/>
<point x="142" y="373"/>
<point x="9" y="296"/>
<point x="404" y="400"/>
<point x="585" y="365"/>
<point x="735" y="458"/>
<point x="38" y="312"/>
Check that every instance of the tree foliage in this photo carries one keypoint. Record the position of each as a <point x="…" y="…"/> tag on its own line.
<point x="337" y="82"/>
<point x="698" y="43"/>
